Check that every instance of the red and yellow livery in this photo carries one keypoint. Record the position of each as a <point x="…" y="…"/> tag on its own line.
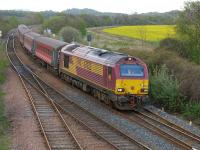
<point x="113" y="77"/>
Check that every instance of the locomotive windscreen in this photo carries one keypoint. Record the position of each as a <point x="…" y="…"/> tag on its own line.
<point x="131" y="70"/>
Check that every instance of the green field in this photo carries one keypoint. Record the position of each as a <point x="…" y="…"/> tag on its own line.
<point x="151" y="33"/>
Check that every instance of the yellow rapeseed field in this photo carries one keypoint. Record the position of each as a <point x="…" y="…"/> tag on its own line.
<point x="145" y="32"/>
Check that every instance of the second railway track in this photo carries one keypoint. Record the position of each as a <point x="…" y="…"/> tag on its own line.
<point x="56" y="132"/>
<point x="174" y="130"/>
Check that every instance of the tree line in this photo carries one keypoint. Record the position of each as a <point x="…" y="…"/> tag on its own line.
<point x="187" y="41"/>
<point x="81" y="21"/>
<point x="9" y="21"/>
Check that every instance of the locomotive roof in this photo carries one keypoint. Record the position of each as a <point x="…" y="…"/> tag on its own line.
<point x="95" y="54"/>
<point x="32" y="35"/>
<point x="50" y="42"/>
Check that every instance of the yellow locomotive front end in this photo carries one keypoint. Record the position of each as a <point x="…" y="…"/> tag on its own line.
<point x="132" y="87"/>
<point x="132" y="83"/>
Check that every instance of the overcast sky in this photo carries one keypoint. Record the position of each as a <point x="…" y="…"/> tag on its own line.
<point x="120" y="6"/>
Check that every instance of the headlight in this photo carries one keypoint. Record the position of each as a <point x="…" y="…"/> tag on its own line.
<point x="120" y="90"/>
<point x="144" y="90"/>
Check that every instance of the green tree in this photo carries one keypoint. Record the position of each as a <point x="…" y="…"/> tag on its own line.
<point x="13" y="22"/>
<point x="188" y="29"/>
<point x="33" y="18"/>
<point x="76" y="22"/>
<point x="55" y="23"/>
<point x="38" y="18"/>
<point x="8" y="24"/>
<point x="82" y="29"/>
<point x="70" y="34"/>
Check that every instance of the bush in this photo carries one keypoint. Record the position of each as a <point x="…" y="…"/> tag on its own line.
<point x="70" y="34"/>
<point x="186" y="72"/>
<point x="8" y="24"/>
<point x="55" y="23"/>
<point x="3" y="64"/>
<point x="192" y="111"/>
<point x="165" y="89"/>
<point x="175" y="45"/>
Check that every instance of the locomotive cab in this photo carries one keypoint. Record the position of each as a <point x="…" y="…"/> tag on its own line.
<point x="131" y="82"/>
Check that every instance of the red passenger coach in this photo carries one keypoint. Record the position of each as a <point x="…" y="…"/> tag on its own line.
<point x="29" y="40"/>
<point x="47" y="50"/>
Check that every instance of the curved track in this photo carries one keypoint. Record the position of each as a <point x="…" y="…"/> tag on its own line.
<point x="155" y="117"/>
<point x="164" y="128"/>
<point x="182" y="138"/>
<point x="56" y="132"/>
<point x="173" y="133"/>
<point x="102" y="129"/>
<point x="157" y="120"/>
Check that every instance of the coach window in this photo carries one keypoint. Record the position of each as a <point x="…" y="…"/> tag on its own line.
<point x="66" y="61"/>
<point x="109" y="73"/>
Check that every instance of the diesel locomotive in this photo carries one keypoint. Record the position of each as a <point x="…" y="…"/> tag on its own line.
<point x="117" y="79"/>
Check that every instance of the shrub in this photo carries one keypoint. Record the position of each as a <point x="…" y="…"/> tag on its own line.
<point x="70" y="34"/>
<point x="165" y="89"/>
<point x="175" y="45"/>
<point x="192" y="111"/>
<point x="185" y="71"/>
<point x="54" y="23"/>
<point x="3" y="64"/>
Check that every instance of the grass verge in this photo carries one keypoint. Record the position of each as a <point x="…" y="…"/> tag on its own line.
<point x="4" y="124"/>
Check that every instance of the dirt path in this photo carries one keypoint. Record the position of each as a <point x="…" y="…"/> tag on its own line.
<point x="25" y="134"/>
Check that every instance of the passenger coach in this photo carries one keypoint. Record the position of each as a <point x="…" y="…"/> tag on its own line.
<point x="47" y="50"/>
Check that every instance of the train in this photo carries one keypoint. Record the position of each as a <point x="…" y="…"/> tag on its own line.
<point x="117" y="79"/>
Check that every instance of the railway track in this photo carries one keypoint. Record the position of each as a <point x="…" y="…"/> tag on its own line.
<point x="109" y="133"/>
<point x="56" y="132"/>
<point x="162" y="127"/>
<point x="154" y="123"/>
<point x="100" y="128"/>
<point x="190" y="142"/>
<point x="192" y="138"/>
<point x="155" y="117"/>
